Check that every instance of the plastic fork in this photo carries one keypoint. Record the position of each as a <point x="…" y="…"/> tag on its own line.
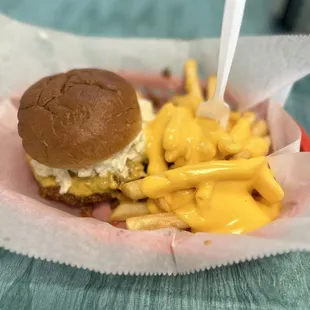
<point x="217" y="108"/>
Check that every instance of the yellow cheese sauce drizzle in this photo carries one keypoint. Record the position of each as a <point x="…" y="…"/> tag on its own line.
<point x="206" y="175"/>
<point x="217" y="196"/>
<point x="177" y="136"/>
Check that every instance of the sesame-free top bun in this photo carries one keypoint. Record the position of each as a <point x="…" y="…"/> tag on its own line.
<point x="75" y="119"/>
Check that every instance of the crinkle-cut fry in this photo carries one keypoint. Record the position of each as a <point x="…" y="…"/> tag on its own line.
<point x="211" y="84"/>
<point x="126" y="210"/>
<point x="155" y="221"/>
<point x="132" y="190"/>
<point x="192" y="81"/>
<point x="260" y="128"/>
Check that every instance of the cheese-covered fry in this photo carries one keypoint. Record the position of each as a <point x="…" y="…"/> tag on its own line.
<point x="155" y="131"/>
<point x="242" y="130"/>
<point x="189" y="101"/>
<point x="254" y="147"/>
<point x="132" y="190"/>
<point x="153" y="207"/>
<point x="192" y="85"/>
<point x="250" y="116"/>
<point x="260" y="129"/>
<point x="268" y="187"/>
<point x="173" y="142"/>
<point x="227" y="146"/>
<point x="164" y="203"/>
<point x="202" y="176"/>
<point x="203" y="193"/>
<point x="234" y="116"/>
<point x="216" y="196"/>
<point x="157" y="186"/>
<point x="155" y="221"/>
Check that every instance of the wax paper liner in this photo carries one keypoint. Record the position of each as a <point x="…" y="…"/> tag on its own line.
<point x="32" y="226"/>
<point x="264" y="68"/>
<point x="156" y="252"/>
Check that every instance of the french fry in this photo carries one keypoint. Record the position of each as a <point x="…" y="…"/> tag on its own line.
<point x="204" y="192"/>
<point x="153" y="207"/>
<point x="188" y="100"/>
<point x="268" y="141"/>
<point x="227" y="146"/>
<point x="155" y="150"/>
<point x="132" y="190"/>
<point x="242" y="130"/>
<point x="234" y="116"/>
<point x="172" y="141"/>
<point x="254" y="147"/>
<point x="268" y="187"/>
<point x="260" y="128"/>
<point x="192" y="81"/>
<point x="126" y="210"/>
<point x="245" y="154"/>
<point x="251" y="116"/>
<point x="157" y="186"/>
<point x="155" y="221"/>
<point x="164" y="204"/>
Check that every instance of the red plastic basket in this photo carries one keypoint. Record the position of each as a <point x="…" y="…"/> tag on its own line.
<point x="160" y="88"/>
<point x="305" y="141"/>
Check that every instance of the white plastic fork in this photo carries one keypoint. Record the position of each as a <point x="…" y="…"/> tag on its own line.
<point x="217" y="108"/>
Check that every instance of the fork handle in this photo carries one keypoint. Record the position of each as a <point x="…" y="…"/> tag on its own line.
<point x="233" y="13"/>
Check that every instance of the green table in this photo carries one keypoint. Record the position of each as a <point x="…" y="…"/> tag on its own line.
<point x="281" y="282"/>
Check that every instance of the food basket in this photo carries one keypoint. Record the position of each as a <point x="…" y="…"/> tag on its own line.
<point x="160" y="87"/>
<point x="97" y="246"/>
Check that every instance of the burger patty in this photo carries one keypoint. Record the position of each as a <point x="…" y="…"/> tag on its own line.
<point x="52" y="193"/>
<point x="111" y="193"/>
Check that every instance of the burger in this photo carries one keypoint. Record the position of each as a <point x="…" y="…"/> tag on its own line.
<point x="82" y="132"/>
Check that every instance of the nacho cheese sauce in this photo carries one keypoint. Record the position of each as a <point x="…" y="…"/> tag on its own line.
<point x="117" y="164"/>
<point x="177" y="136"/>
<point x="206" y="192"/>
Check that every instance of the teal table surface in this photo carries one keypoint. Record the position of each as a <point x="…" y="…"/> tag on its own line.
<point x="281" y="282"/>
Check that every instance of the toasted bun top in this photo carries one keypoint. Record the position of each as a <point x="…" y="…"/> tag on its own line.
<point x="78" y="118"/>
